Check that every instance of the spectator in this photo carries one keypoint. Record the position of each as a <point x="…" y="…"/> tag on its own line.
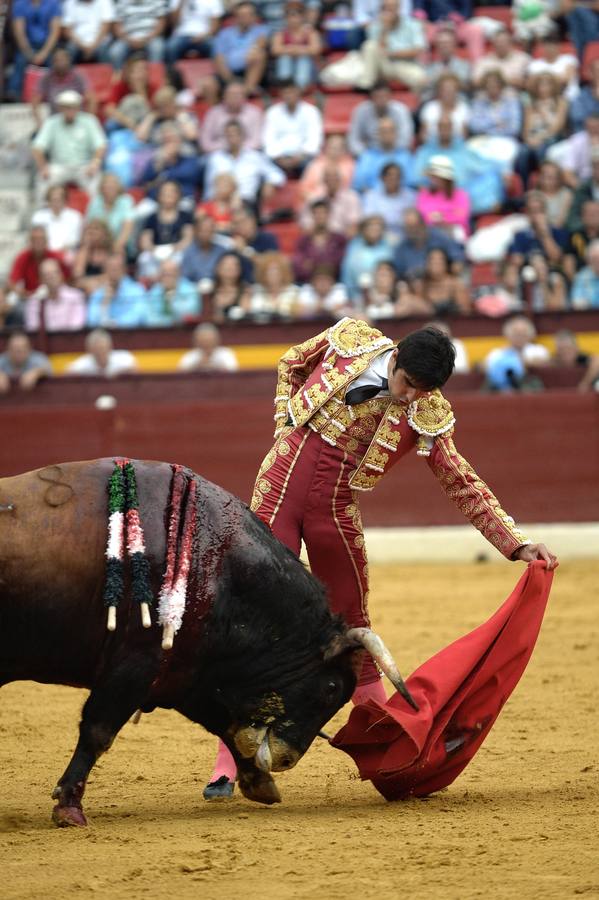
<point x="586" y="190"/>
<point x="173" y="299"/>
<point x="379" y="292"/>
<point x="11" y="310"/>
<point x="250" y="241"/>
<point x="507" y="367"/>
<point x="581" y="237"/>
<point x="438" y="292"/>
<point x="101" y="359"/>
<point x="60" y="77"/>
<point x="231" y="292"/>
<point x="131" y="95"/>
<point x="295" y="47"/>
<point x="513" y="64"/>
<point x="323" y="296"/>
<point x="202" y="255"/>
<point x="564" y="66"/>
<point x="366" y="116"/>
<point x="91" y="257"/>
<point x="114" y="206"/>
<point x="587" y="102"/>
<point x="368" y="248"/>
<point x="194" y="26"/>
<point x="62" y="224"/>
<point x="139" y="25"/>
<point x="391" y="51"/>
<point x="119" y="302"/>
<point x="58" y="306"/>
<point x="334" y="154"/>
<point x="224" y="202"/>
<point x="496" y="108"/>
<point x="167" y="110"/>
<point x="410" y="255"/>
<point x="234" y="107"/>
<point x="442" y="204"/>
<point x="503" y="296"/>
<point x="568" y="353"/>
<point x="540" y="236"/>
<point x="292" y="130"/>
<point x="207" y="354"/>
<point x="318" y="246"/>
<point x="462" y="366"/>
<point x="344" y="206"/>
<point x="545" y="116"/>
<point x="252" y="170"/>
<point x="447" y="102"/>
<point x="389" y="199"/>
<point x="22" y="364"/>
<point x="239" y="50"/>
<point x="372" y="162"/>
<point x="170" y="163"/>
<point x="87" y="26"/>
<point x="576" y="161"/>
<point x="583" y="24"/>
<point x="166" y="233"/>
<point x="35" y="26"/>
<point x="69" y="147"/>
<point x="454" y="15"/>
<point x="24" y="275"/>
<point x="558" y="196"/>
<point x="447" y="61"/>
<point x="547" y="289"/>
<point x="274" y="293"/>
<point x="585" y="289"/>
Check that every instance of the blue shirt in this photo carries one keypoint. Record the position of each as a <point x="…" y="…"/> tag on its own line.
<point x="437" y="10"/>
<point x="585" y="104"/>
<point x="410" y="258"/>
<point x="234" y="45"/>
<point x="127" y="309"/>
<point x="37" y="19"/>
<point x="198" y="262"/>
<point x="187" y="171"/>
<point x="361" y="258"/>
<point x="163" y="309"/>
<point x="585" y="290"/>
<point x="371" y="161"/>
<point x="526" y="241"/>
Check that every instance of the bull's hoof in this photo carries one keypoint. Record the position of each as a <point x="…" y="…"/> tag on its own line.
<point x="260" y="788"/>
<point x="68" y="815"/>
<point x="221" y="789"/>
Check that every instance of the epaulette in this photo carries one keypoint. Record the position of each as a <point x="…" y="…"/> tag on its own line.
<point x="430" y="416"/>
<point x="353" y="337"/>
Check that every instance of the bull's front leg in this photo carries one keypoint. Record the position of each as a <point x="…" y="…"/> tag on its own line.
<point x="109" y="706"/>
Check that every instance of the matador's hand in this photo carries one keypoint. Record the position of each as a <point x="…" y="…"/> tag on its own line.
<point x="530" y="552"/>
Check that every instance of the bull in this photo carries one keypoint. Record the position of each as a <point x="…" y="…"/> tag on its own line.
<point x="259" y="659"/>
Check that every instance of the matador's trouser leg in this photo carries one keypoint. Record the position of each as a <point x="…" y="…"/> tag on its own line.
<point x="302" y="492"/>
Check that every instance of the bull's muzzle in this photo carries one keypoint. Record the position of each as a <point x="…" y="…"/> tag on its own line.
<point x="269" y="752"/>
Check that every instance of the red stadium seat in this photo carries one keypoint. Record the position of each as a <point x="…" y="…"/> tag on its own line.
<point x="33" y="76"/>
<point x="488" y="219"/>
<point x="137" y="193"/>
<point x="412" y="101"/>
<point x="99" y="78"/>
<point x="501" y="13"/>
<point x="193" y="70"/>
<point x="337" y="110"/>
<point x="77" y="198"/>
<point x="287" y="233"/>
<point x="286" y="197"/>
<point x="483" y="273"/>
<point x="156" y="73"/>
<point x="591" y="53"/>
<point x="564" y="47"/>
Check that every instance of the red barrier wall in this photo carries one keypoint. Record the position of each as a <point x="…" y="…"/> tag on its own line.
<point x="539" y="453"/>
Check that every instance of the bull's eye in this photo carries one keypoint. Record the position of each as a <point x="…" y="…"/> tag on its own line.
<point x="331" y="688"/>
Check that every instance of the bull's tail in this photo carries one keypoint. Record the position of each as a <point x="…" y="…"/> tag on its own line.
<point x="125" y="531"/>
<point x="182" y="515"/>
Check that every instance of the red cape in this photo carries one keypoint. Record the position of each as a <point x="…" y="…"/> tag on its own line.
<point x="460" y="692"/>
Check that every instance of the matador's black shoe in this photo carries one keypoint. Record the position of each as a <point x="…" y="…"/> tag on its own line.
<point x="221" y="789"/>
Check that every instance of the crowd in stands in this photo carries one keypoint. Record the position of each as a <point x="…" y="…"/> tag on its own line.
<point x="461" y="177"/>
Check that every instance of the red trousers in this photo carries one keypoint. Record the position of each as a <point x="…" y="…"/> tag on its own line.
<point x="302" y="491"/>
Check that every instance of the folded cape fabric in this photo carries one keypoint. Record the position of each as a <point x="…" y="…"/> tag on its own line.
<point x="460" y="692"/>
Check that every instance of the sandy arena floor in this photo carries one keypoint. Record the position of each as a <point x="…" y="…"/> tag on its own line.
<point x="520" y="822"/>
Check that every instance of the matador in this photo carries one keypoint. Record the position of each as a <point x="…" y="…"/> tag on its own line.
<point x="349" y="405"/>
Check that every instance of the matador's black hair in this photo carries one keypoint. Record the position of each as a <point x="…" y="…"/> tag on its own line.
<point x="427" y="356"/>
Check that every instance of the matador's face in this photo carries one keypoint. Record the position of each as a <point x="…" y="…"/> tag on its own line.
<point x="401" y="386"/>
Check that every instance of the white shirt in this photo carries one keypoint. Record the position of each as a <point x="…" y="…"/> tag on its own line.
<point x="86" y="19"/>
<point x="562" y="64"/>
<point x="63" y="231"/>
<point x="119" y="361"/>
<point x="223" y="359"/>
<point x="196" y="16"/>
<point x="248" y="169"/>
<point x="377" y="370"/>
<point x="431" y="113"/>
<point x="334" y="302"/>
<point x="294" y="133"/>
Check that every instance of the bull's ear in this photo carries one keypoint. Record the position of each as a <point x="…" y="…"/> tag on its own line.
<point x="339" y="644"/>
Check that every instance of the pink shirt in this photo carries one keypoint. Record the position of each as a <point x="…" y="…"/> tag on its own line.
<point x="454" y="210"/>
<point x="64" y="313"/>
<point x="213" y="127"/>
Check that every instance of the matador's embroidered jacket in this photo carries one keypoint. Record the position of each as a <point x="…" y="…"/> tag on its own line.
<point x="312" y="380"/>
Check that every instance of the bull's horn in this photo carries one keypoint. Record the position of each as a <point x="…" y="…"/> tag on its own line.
<point x="263" y="757"/>
<point x="381" y="655"/>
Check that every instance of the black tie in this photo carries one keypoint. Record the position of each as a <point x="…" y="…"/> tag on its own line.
<point x="366" y="392"/>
